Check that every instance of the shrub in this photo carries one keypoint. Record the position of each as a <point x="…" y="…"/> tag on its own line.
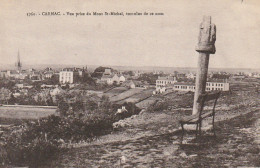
<point x="158" y="106"/>
<point x="131" y="109"/>
<point x="34" y="142"/>
<point x="24" y="146"/>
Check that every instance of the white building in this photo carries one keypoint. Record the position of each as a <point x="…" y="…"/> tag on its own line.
<point x="15" y="74"/>
<point x="221" y="86"/>
<point x="113" y="78"/>
<point x="69" y="75"/>
<point x="181" y="86"/>
<point x="162" y="82"/>
<point x="48" y="73"/>
<point x="121" y="79"/>
<point x="108" y="72"/>
<point x="191" y="75"/>
<point x="66" y="77"/>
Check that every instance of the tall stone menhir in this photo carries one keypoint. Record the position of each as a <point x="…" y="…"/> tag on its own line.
<point x="206" y="46"/>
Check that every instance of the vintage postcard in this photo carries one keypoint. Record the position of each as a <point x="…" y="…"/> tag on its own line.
<point x="129" y="83"/>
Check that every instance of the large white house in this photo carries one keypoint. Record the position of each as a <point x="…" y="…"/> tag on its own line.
<point x="69" y="75"/>
<point x="66" y="76"/>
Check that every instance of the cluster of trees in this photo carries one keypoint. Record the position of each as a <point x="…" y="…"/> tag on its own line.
<point x="149" y="77"/>
<point x="6" y="83"/>
<point x="80" y="104"/>
<point x="98" y="72"/>
<point x="5" y="95"/>
<point x="32" y="97"/>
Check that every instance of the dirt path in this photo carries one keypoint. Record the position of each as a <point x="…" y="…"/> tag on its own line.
<point x="237" y="144"/>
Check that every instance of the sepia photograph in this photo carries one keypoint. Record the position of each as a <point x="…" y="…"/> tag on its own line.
<point x="130" y="84"/>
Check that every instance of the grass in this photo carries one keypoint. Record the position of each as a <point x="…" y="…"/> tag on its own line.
<point x="145" y="103"/>
<point x="126" y="94"/>
<point x="115" y="91"/>
<point x="143" y="94"/>
<point x="11" y="114"/>
<point x="9" y="121"/>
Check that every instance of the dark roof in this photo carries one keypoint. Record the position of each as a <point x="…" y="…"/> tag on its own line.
<point x="165" y="78"/>
<point x="217" y="81"/>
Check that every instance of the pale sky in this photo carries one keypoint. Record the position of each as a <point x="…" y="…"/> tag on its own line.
<point x="167" y="40"/>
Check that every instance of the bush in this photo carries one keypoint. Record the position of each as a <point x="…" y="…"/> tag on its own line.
<point x="158" y="106"/>
<point x="26" y="146"/>
<point x="22" y="153"/>
<point x="131" y="109"/>
<point x="34" y="142"/>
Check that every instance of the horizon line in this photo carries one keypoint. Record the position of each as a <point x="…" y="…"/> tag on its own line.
<point x="139" y="66"/>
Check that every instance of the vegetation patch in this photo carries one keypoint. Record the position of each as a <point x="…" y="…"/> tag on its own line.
<point x="81" y="118"/>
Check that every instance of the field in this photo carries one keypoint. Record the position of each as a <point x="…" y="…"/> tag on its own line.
<point x="126" y="94"/>
<point x="115" y="91"/>
<point x="145" y="103"/>
<point x="142" y="95"/>
<point x="14" y="113"/>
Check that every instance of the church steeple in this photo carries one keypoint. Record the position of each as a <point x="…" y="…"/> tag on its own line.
<point x="18" y="63"/>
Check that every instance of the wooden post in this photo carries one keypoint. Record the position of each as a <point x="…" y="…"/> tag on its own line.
<point x="205" y="47"/>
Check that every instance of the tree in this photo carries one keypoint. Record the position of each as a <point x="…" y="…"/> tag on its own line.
<point x="101" y="69"/>
<point x="12" y="99"/>
<point x="88" y="80"/>
<point x="63" y="108"/>
<point x="98" y="72"/>
<point x="91" y="105"/>
<point x="130" y="73"/>
<point x="5" y="95"/>
<point x="37" y="85"/>
<point x="105" y="103"/>
<point x="149" y="77"/>
<point x="6" y="83"/>
<point x="49" y="100"/>
<point x="54" y="80"/>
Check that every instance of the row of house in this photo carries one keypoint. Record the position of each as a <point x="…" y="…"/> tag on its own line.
<point x="110" y="77"/>
<point x="113" y="78"/>
<point x="29" y="73"/>
<point x="71" y="75"/>
<point x="66" y="75"/>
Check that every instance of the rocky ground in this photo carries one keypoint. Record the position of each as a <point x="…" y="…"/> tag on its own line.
<point x="237" y="144"/>
<point x="152" y="139"/>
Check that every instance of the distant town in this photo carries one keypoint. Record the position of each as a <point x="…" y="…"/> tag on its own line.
<point x="18" y="83"/>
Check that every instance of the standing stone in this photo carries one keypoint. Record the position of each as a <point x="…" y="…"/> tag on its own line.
<point x="206" y="46"/>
